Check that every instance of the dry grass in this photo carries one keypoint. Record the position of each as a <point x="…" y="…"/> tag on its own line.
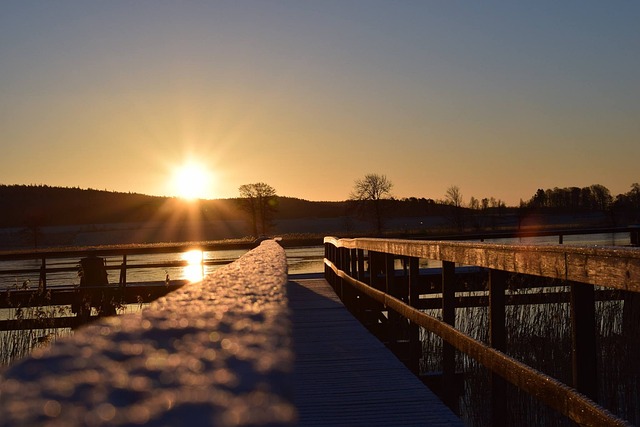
<point x="17" y="344"/>
<point x="540" y="336"/>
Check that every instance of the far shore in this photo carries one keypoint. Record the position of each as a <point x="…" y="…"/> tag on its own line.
<point x="124" y="235"/>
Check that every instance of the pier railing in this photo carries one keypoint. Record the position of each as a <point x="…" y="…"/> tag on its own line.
<point x="211" y="353"/>
<point x="363" y="272"/>
<point x="45" y="256"/>
<point x="120" y="289"/>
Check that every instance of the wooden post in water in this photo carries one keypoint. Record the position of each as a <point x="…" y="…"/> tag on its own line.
<point x="449" y="392"/>
<point x="123" y="271"/>
<point x="42" y="286"/>
<point x="583" y="339"/>
<point x="497" y="340"/>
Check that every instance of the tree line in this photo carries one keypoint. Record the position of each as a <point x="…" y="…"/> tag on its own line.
<point x="371" y="199"/>
<point x="594" y="197"/>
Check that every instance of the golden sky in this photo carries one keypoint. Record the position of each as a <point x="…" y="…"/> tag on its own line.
<point x="497" y="98"/>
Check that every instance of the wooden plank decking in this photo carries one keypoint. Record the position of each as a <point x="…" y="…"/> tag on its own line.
<point x="344" y="376"/>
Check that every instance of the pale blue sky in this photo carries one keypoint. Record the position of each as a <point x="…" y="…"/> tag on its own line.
<point x="498" y="98"/>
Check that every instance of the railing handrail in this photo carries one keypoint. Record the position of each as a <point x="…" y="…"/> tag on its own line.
<point x="115" y="250"/>
<point x="581" y="266"/>
<point x="217" y="352"/>
<point x="543" y="387"/>
<point x="613" y="267"/>
<point x="176" y="263"/>
<point x="526" y="232"/>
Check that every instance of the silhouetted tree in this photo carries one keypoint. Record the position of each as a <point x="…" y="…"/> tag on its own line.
<point x="634" y="201"/>
<point x="260" y="201"/>
<point x="602" y="197"/>
<point x="453" y="198"/>
<point x="594" y="197"/>
<point x="628" y="204"/>
<point x="474" y="203"/>
<point x="370" y="193"/>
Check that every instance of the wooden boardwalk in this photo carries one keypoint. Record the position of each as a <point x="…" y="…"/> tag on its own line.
<point x="344" y="376"/>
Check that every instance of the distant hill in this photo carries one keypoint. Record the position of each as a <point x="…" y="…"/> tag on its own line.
<point x="23" y="205"/>
<point x="57" y="216"/>
<point x="40" y="215"/>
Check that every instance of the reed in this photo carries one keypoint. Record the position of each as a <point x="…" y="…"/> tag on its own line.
<point x="17" y="344"/>
<point x="540" y="336"/>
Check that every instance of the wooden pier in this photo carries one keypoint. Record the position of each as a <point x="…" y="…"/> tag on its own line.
<point x="250" y="345"/>
<point x="343" y="375"/>
<point x="390" y="302"/>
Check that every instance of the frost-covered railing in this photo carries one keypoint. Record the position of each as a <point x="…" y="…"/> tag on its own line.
<point x="211" y="353"/>
<point x="363" y="273"/>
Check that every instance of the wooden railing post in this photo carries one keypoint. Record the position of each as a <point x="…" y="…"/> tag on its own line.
<point x="393" y="329"/>
<point x="354" y="262"/>
<point x="343" y="265"/>
<point x="583" y="339"/>
<point x="497" y="340"/>
<point x="389" y="274"/>
<point x="415" y="345"/>
<point x="361" y="269"/>
<point x="414" y="274"/>
<point x="376" y="265"/>
<point x="450" y="395"/>
<point x="372" y="310"/>
<point x="348" y="293"/>
<point x="328" y="272"/>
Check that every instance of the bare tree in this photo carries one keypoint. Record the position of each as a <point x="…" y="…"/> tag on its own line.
<point x="370" y="193"/>
<point x="474" y="203"/>
<point x="259" y="200"/>
<point x="453" y="196"/>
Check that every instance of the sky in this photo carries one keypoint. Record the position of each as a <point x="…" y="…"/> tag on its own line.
<point x="499" y="98"/>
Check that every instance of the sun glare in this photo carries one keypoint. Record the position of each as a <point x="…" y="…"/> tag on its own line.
<point x="193" y="271"/>
<point x="192" y="181"/>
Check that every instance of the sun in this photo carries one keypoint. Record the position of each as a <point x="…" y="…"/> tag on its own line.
<point x="192" y="181"/>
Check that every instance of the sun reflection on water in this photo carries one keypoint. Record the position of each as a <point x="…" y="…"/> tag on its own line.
<point x="193" y="271"/>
